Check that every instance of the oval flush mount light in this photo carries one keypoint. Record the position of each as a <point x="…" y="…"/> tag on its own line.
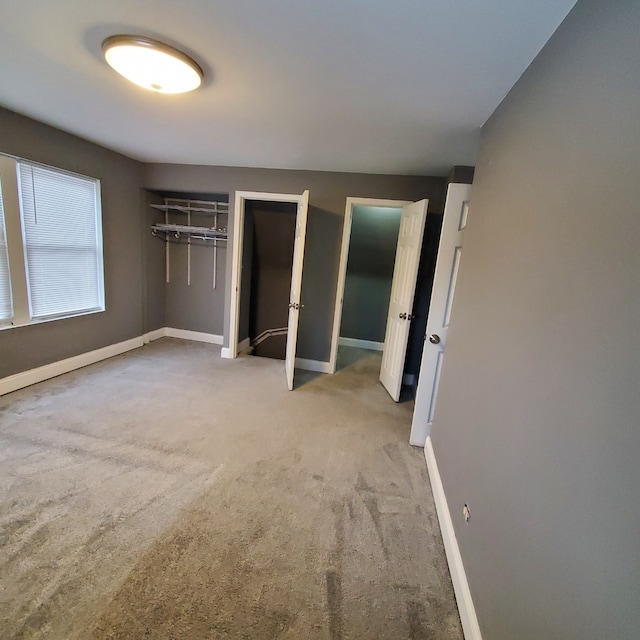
<point x="151" y="64"/>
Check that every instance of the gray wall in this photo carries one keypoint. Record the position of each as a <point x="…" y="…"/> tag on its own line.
<point x="328" y="193"/>
<point x="537" y="421"/>
<point x="198" y="306"/>
<point x="24" y="348"/>
<point x="372" y="253"/>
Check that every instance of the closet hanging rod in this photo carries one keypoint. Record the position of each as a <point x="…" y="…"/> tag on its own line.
<point x="175" y="238"/>
<point x="187" y="231"/>
<point x="194" y="237"/>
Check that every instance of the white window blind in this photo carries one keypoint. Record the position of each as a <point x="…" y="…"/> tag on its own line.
<point x="6" y="305"/>
<point x="63" y="242"/>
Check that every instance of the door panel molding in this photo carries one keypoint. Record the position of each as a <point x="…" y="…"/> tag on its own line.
<point x="456" y="213"/>
<point x="296" y="287"/>
<point x="403" y="288"/>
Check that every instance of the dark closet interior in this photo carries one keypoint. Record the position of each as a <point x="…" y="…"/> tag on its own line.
<point x="269" y="235"/>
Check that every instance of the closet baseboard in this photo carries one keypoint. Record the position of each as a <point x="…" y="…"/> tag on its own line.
<point x="156" y="334"/>
<point x="182" y="334"/>
<point x="362" y="344"/>
<point x="197" y="336"/>
<point x="313" y="365"/>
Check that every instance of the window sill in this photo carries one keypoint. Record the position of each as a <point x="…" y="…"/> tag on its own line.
<point x="4" y="327"/>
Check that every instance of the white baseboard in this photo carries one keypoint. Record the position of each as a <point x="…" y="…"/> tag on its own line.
<point x="313" y="365"/>
<point x="466" y="609"/>
<point x="198" y="336"/>
<point x="33" y="376"/>
<point x="301" y="363"/>
<point x="362" y="344"/>
<point x="154" y="335"/>
<point x="245" y="344"/>
<point x="409" y="379"/>
<point x="182" y="334"/>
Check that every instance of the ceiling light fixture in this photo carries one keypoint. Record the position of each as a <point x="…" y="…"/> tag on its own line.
<point x="151" y="64"/>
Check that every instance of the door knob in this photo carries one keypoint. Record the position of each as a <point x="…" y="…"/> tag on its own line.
<point x="403" y="316"/>
<point x="434" y="338"/>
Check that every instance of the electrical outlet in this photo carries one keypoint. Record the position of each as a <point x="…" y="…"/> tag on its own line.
<point x="466" y="513"/>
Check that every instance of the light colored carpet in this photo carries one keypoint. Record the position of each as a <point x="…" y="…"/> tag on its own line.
<point x="168" y="494"/>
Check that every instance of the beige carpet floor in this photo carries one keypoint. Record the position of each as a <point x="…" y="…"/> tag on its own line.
<point x="170" y="494"/>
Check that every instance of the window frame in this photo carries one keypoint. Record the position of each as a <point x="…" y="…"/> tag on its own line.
<point x="16" y="243"/>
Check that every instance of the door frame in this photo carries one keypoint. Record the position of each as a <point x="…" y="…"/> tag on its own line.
<point x="241" y="198"/>
<point x="344" y="257"/>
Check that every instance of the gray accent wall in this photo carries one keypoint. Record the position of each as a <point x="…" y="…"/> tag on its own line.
<point x="537" y="424"/>
<point x="372" y="253"/>
<point x="24" y="348"/>
<point x="461" y="174"/>
<point x="196" y="306"/>
<point x="328" y="193"/>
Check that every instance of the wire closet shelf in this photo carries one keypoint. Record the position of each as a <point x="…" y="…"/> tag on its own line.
<point x="176" y="232"/>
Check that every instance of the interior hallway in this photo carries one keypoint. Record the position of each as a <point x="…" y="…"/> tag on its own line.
<point x="169" y="493"/>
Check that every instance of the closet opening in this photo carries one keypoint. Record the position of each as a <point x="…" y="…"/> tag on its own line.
<point x="186" y="253"/>
<point x="269" y="230"/>
<point x="367" y="288"/>
<point x="380" y="289"/>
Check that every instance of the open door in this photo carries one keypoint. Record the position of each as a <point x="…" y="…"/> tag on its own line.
<point x="403" y="288"/>
<point x="444" y="284"/>
<point x="296" y="285"/>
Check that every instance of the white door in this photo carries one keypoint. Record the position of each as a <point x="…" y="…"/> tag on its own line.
<point x="403" y="287"/>
<point x="296" y="285"/>
<point x="454" y="221"/>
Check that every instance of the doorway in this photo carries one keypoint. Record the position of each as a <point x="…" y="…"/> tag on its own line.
<point x="408" y="265"/>
<point x="240" y="269"/>
<point x="364" y="283"/>
<point x="367" y="288"/>
<point x="267" y="261"/>
<point x="383" y="204"/>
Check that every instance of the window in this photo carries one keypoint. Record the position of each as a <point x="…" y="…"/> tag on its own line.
<point x="51" y="256"/>
<point x="6" y="306"/>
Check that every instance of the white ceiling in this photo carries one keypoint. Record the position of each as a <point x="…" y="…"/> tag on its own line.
<point x="342" y="85"/>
